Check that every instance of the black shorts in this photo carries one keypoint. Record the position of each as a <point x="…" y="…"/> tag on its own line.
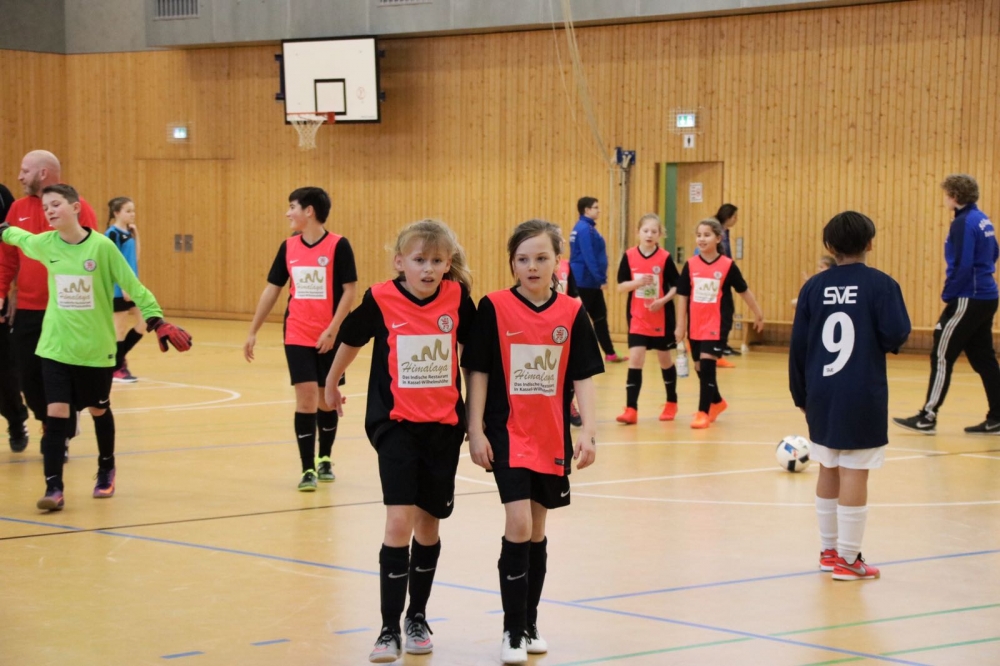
<point x="417" y="463"/>
<point x="699" y="347"/>
<point x="656" y="343"/>
<point x="520" y="483"/>
<point x="122" y="304"/>
<point x="306" y="364"/>
<point x="76" y="385"/>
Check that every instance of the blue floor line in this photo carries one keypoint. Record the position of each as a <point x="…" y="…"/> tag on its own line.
<point x="271" y="642"/>
<point x="570" y="604"/>
<point x="181" y="655"/>
<point x="739" y="581"/>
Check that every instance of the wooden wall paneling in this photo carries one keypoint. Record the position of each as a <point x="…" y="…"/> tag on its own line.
<point x="811" y="112"/>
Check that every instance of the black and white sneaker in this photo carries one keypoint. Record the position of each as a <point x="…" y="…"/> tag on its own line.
<point x="918" y="423"/>
<point x="987" y="427"/>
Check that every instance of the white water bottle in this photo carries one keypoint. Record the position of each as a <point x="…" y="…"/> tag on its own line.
<point x="682" y="363"/>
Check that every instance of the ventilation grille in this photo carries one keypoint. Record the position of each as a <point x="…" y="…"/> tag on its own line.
<point x="397" y="3"/>
<point x="176" y="9"/>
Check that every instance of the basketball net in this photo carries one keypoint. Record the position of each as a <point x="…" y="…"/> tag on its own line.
<point x="307" y="125"/>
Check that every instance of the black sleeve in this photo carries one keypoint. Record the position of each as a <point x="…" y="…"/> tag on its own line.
<point x="624" y="270"/>
<point x="670" y="276"/>
<point x="735" y="279"/>
<point x="278" y="275"/>
<point x="466" y="318"/>
<point x="478" y="354"/>
<point x="584" y="353"/>
<point x="6" y="199"/>
<point x="344" y="269"/>
<point x="571" y="289"/>
<point x="361" y="324"/>
<point x="684" y="282"/>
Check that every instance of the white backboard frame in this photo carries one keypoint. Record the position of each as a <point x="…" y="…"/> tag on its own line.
<point x="338" y="76"/>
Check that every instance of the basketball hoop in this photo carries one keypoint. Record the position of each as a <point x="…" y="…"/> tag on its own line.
<point x="307" y="124"/>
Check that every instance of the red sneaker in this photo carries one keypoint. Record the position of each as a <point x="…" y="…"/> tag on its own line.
<point x="615" y="358"/>
<point x="715" y="409"/>
<point x="827" y="559"/>
<point x="724" y="363"/>
<point x="628" y="417"/>
<point x="669" y="411"/>
<point x="701" y="420"/>
<point x="858" y="570"/>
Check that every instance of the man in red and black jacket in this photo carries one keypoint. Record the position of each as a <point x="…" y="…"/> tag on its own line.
<point x="11" y="406"/>
<point x="39" y="169"/>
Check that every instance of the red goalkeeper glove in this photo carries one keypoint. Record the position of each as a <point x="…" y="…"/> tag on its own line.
<point x="167" y="332"/>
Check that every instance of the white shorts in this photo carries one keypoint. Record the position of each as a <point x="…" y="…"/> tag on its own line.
<point x="849" y="458"/>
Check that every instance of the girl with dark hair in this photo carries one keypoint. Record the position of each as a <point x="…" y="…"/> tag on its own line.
<point x="128" y="320"/>
<point x="531" y="345"/>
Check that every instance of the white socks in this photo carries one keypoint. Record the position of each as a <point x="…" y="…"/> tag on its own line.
<point x="851" y="528"/>
<point x="826" y="512"/>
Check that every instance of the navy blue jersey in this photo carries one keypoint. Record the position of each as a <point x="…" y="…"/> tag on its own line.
<point x="847" y="319"/>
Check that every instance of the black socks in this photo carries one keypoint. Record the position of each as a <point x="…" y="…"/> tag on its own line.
<point x="394" y="566"/>
<point x="513" y="566"/>
<point x="670" y="382"/>
<point x="327" y="422"/>
<point x="104" y="428"/>
<point x="423" y="563"/>
<point x="632" y="387"/>
<point x="305" y="436"/>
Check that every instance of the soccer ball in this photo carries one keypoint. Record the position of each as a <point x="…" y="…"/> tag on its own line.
<point x="793" y="453"/>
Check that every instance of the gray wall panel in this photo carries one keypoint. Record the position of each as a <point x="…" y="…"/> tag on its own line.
<point x="105" y="26"/>
<point x="33" y="25"/>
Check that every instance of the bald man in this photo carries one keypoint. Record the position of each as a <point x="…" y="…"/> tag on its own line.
<point x="39" y="169"/>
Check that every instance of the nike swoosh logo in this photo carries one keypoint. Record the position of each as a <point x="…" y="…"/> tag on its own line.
<point x="395" y="576"/>
<point x="104" y="402"/>
<point x="399" y="325"/>
<point x="52" y="261"/>
<point x="329" y="429"/>
<point x="293" y="261"/>
<point x="23" y="219"/>
<point x="564" y="494"/>
<point x="509" y="334"/>
<point x="509" y="577"/>
<point x="927" y="425"/>
<point x="419" y="570"/>
<point x="303" y="436"/>
<point x="450" y="502"/>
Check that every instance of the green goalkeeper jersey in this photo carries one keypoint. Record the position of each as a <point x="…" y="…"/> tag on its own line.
<point x="79" y="324"/>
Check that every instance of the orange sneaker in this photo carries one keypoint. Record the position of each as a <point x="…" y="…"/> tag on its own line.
<point x="701" y="420"/>
<point x="827" y="559"/>
<point x="723" y="363"/>
<point x="858" y="570"/>
<point x="628" y="417"/>
<point x="669" y="411"/>
<point x="715" y="409"/>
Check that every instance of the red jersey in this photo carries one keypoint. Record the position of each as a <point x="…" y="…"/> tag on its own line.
<point x="310" y="291"/>
<point x="562" y="274"/>
<point x="32" y="277"/>
<point x="706" y="296"/>
<point x="422" y="345"/>
<point x="534" y="349"/>
<point x="643" y="321"/>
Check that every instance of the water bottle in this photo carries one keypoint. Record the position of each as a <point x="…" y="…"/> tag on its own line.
<point x="682" y="363"/>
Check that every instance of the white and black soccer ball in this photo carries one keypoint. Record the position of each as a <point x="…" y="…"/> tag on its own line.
<point x="793" y="453"/>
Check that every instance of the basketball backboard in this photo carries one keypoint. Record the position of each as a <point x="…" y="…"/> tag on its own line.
<point x="338" y="76"/>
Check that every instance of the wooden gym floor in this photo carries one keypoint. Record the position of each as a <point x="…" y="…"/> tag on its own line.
<point x="680" y="547"/>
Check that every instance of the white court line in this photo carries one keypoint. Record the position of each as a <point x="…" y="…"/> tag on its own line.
<point x="976" y="455"/>
<point x="213" y="404"/>
<point x="755" y="470"/>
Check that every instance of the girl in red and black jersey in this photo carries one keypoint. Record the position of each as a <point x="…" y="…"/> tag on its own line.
<point x="648" y="274"/>
<point x="702" y="290"/>
<point x="531" y="345"/>
<point x="416" y="418"/>
<point x="324" y="279"/>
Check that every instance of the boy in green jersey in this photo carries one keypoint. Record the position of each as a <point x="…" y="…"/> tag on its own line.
<point x="78" y="345"/>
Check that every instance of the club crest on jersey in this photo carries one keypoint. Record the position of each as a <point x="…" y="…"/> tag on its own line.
<point x="560" y="335"/>
<point x="446" y="323"/>
<point x="656" y="270"/>
<point x="90" y="265"/>
<point x="717" y="275"/>
<point x="323" y="261"/>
